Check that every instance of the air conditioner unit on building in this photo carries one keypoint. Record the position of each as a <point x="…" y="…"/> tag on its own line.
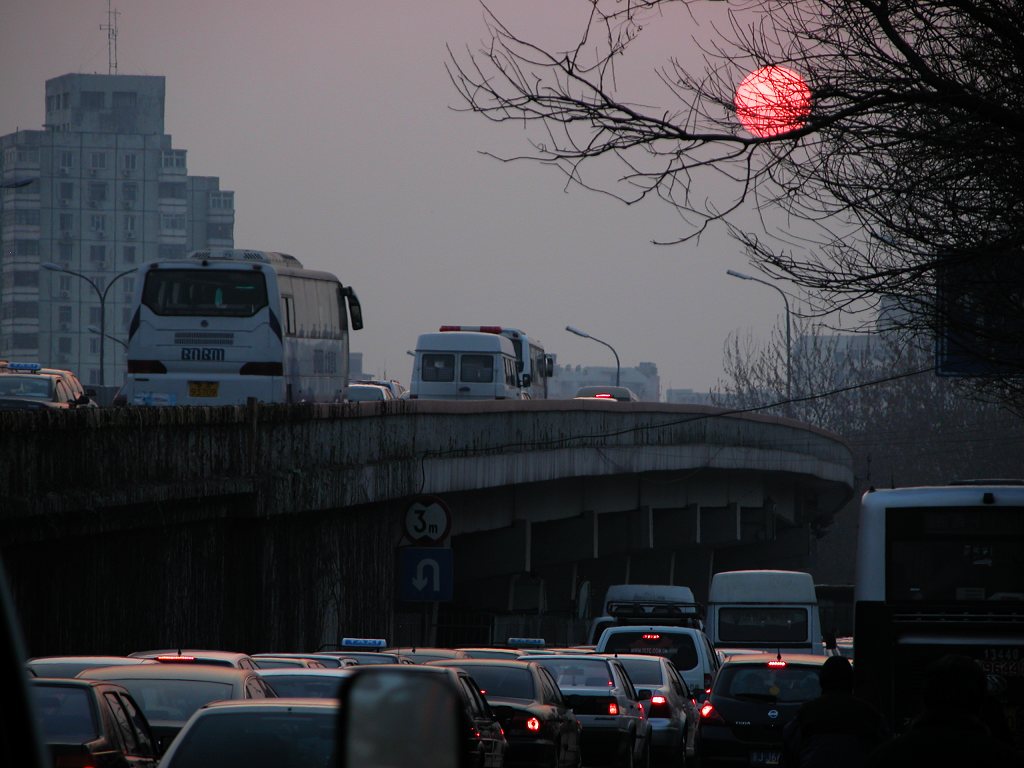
<point x="129" y="234"/>
<point x="65" y="294"/>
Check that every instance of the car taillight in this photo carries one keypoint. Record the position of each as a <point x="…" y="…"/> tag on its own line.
<point x="74" y="761"/>
<point x="613" y="708"/>
<point x="262" y="369"/>
<point x="533" y="724"/>
<point x="708" y="714"/>
<point x="146" y="366"/>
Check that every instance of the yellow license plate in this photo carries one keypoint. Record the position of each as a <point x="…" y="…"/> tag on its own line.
<point x="202" y="388"/>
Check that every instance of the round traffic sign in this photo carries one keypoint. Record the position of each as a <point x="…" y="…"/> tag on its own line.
<point x="428" y="520"/>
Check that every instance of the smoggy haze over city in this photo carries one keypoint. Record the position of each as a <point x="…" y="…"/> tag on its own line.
<point x="334" y="124"/>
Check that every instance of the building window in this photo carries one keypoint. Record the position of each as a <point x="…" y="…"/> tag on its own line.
<point x="64" y="345"/>
<point x="172" y="222"/>
<point x="26" y="247"/>
<point x="172" y="190"/>
<point x="64" y="253"/>
<point x="64" y="314"/>
<point x="97" y="192"/>
<point x="93" y="99"/>
<point x="129" y="191"/>
<point x="29" y="217"/>
<point x="128" y="254"/>
<point x="64" y="283"/>
<point x="128" y="162"/>
<point x="170" y="252"/>
<point x="67" y="161"/>
<point x="97" y="253"/>
<point x="67" y="222"/>
<point x="94" y="315"/>
<point x="222" y="201"/>
<point x="129" y="223"/>
<point x="23" y="279"/>
<point x="67" y="191"/>
<point x="98" y="160"/>
<point x="94" y="344"/>
<point x="173" y="158"/>
<point x="98" y="223"/>
<point x="125" y="99"/>
<point x="218" y="231"/>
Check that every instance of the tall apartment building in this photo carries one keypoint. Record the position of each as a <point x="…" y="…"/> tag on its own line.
<point x="84" y="203"/>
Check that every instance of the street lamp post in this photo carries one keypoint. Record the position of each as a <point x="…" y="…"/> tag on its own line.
<point x="585" y="335"/>
<point x="104" y="334"/>
<point x="101" y="294"/>
<point x="785" y="300"/>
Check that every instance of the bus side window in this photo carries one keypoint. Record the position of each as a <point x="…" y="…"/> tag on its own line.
<point x="289" y="315"/>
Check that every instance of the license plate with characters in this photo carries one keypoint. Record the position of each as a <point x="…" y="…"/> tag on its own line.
<point x="203" y="388"/>
<point x="765" y="758"/>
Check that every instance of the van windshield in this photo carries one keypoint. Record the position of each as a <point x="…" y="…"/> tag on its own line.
<point x="755" y="624"/>
<point x="677" y="647"/>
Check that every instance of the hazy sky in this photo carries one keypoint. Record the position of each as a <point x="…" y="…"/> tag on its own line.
<point x="333" y="123"/>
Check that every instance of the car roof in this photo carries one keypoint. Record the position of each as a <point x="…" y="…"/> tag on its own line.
<point x="208" y="672"/>
<point x="513" y="663"/>
<point x="70" y="682"/>
<point x="807" y="659"/>
<point x="270" y="705"/>
<point x="305" y="672"/>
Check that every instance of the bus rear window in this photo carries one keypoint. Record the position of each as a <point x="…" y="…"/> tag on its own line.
<point x="762" y="625"/>
<point x="477" y="369"/>
<point x="205" y="293"/>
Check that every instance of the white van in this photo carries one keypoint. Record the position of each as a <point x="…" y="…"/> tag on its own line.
<point x="626" y="604"/>
<point x="688" y="648"/>
<point x="765" y="610"/>
<point x="465" y="365"/>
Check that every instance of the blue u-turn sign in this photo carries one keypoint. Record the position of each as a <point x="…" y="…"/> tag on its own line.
<point x="425" y="574"/>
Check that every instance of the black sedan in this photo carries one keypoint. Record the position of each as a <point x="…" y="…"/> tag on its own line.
<point x="540" y="727"/>
<point x="752" y="699"/>
<point x="93" y="723"/>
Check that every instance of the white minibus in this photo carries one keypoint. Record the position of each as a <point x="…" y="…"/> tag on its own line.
<point x="766" y="610"/>
<point x="465" y="365"/>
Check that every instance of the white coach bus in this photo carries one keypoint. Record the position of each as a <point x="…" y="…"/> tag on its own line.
<point x="226" y="325"/>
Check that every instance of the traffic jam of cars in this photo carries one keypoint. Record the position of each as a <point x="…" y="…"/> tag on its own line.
<point x="520" y="703"/>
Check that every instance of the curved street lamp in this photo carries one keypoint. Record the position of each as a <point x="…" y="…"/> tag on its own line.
<point x="785" y="300"/>
<point x="101" y="294"/>
<point x="586" y="335"/>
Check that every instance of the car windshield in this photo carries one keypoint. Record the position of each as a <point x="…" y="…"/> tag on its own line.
<point x="642" y="671"/>
<point x="66" y="714"/>
<point x="26" y="386"/>
<point x="504" y="682"/>
<point x="578" y="673"/>
<point x="174" y="700"/>
<point x="305" y="686"/>
<point x="258" y="740"/>
<point x="759" y="682"/>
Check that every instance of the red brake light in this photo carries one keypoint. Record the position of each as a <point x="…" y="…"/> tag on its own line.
<point x="613" y="708"/>
<point x="74" y="761"/>
<point x="709" y="714"/>
<point x="174" y="658"/>
<point x="533" y="724"/>
<point x="658" y="699"/>
<point x="776" y="664"/>
<point x="605" y="395"/>
<point x="649" y="635"/>
<point x="706" y="711"/>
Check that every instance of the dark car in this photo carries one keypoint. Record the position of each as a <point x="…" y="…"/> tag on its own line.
<point x="540" y="727"/>
<point x="606" y="703"/>
<point x="670" y="705"/>
<point x="271" y="733"/>
<point x="752" y="699"/>
<point x="170" y="693"/>
<point x="93" y="723"/>
<point x="325" y="660"/>
<point x="70" y="666"/>
<point x="305" y="683"/>
<point x="425" y="655"/>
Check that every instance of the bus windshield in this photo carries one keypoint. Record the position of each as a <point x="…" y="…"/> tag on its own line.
<point x="948" y="554"/>
<point x="206" y="293"/>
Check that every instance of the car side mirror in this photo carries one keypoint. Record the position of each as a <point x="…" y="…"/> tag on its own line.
<point x="428" y="706"/>
<point x="527" y="380"/>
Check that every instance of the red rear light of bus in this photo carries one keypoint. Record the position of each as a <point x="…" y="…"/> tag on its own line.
<point x="146" y="366"/>
<point x="262" y="369"/>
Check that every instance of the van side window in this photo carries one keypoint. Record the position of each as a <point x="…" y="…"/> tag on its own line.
<point x="477" y="369"/>
<point x="438" y="367"/>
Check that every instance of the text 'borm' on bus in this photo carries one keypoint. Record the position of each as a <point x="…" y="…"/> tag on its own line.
<point x="223" y="326"/>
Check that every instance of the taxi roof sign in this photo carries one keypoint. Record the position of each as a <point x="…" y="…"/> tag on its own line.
<point x="527" y="642"/>
<point x="363" y="642"/>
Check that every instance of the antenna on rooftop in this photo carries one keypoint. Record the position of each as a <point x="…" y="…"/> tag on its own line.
<point x="111" y="27"/>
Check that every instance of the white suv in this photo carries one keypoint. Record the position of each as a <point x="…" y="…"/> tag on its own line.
<point x="688" y="648"/>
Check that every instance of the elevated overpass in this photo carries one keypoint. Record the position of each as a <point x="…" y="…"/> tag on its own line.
<point x="282" y="527"/>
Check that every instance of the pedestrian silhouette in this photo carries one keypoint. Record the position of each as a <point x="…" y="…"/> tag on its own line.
<point x="835" y="730"/>
<point x="948" y="731"/>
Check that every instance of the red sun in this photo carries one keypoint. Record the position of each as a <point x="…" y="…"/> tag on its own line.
<point x="772" y="100"/>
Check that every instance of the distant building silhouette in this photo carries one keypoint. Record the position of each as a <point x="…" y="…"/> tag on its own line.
<point x="109" y="193"/>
